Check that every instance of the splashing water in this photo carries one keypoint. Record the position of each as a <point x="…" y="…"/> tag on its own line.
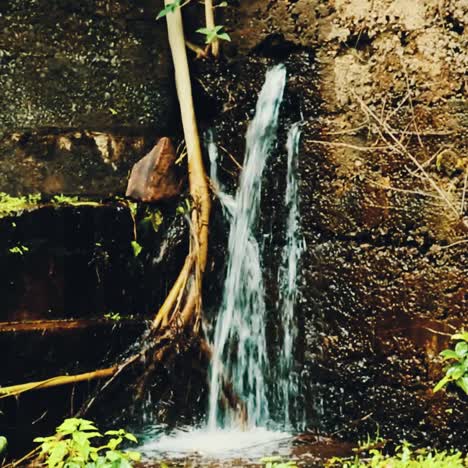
<point x="240" y="346"/>
<point x="239" y="349"/>
<point x="287" y="381"/>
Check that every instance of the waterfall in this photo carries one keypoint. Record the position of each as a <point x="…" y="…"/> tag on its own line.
<point x="239" y="347"/>
<point x="240" y="365"/>
<point x="287" y="380"/>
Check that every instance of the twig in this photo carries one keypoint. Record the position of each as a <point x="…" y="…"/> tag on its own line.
<point x="15" y="390"/>
<point x="465" y="183"/>
<point x="403" y="150"/>
<point x="348" y="145"/>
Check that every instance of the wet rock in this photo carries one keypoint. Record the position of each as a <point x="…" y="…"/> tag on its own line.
<point x="154" y="177"/>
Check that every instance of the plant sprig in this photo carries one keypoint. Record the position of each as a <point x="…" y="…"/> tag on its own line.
<point x="457" y="371"/>
<point x="213" y="34"/>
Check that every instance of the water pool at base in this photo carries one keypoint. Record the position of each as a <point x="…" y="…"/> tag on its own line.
<point x="219" y="444"/>
<point x="235" y="448"/>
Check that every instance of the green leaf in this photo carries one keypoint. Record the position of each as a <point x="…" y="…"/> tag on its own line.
<point x="57" y="454"/>
<point x="137" y="248"/>
<point x="455" y="372"/>
<point x="113" y="456"/>
<point x="114" y="443"/>
<point x="170" y="8"/>
<point x="463" y="384"/>
<point x="441" y="384"/>
<point x="449" y="354"/>
<point x="211" y="34"/>
<point x="131" y="437"/>
<point x="461" y="349"/>
<point x="463" y="336"/>
<point x="3" y="444"/>
<point x="224" y="37"/>
<point x="134" y="456"/>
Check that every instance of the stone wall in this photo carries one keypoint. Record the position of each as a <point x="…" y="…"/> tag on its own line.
<point x="384" y="276"/>
<point x="86" y="88"/>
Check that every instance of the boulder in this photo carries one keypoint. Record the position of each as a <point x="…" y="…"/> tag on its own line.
<point x="154" y="177"/>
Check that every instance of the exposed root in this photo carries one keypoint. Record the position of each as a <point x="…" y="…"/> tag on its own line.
<point x="15" y="390"/>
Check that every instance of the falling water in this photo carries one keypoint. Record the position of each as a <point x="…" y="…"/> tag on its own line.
<point x="239" y="348"/>
<point x="240" y="344"/>
<point x="287" y="381"/>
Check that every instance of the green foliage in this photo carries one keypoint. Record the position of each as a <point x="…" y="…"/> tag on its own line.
<point x="137" y="248"/>
<point x="19" y="250"/>
<point x="115" y="316"/>
<point x="155" y="219"/>
<point x="3" y="444"/>
<point x="184" y="208"/>
<point x="457" y="370"/>
<point x="71" y="447"/>
<point x="170" y="8"/>
<point x="404" y="457"/>
<point x="214" y="34"/>
<point x="73" y="201"/>
<point x="10" y="205"/>
<point x="277" y="462"/>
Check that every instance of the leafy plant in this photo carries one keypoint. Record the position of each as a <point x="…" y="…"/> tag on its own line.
<point x="457" y="371"/>
<point x="3" y="444"/>
<point x="212" y="34"/>
<point x="404" y="457"/>
<point x="10" y="205"/>
<point x="154" y="219"/>
<point x="71" y="447"/>
<point x="277" y="462"/>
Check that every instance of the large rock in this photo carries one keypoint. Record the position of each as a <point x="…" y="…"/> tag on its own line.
<point x="154" y="177"/>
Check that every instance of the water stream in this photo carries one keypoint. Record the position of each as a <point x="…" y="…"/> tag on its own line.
<point x="239" y="345"/>
<point x="240" y="359"/>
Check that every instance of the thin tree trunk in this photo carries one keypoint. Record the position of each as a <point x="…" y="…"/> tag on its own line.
<point x="210" y="24"/>
<point x="199" y="188"/>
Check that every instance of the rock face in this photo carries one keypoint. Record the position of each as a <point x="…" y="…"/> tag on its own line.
<point x="154" y="177"/>
<point x="84" y="83"/>
<point x="384" y="273"/>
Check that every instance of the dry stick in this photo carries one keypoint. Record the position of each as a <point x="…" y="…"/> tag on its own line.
<point x="465" y="183"/>
<point x="14" y="390"/>
<point x="401" y="148"/>
<point x="350" y="146"/>
<point x="210" y="24"/>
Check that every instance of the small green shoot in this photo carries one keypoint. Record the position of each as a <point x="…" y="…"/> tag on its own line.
<point x="214" y="34"/>
<point x="170" y="8"/>
<point x="277" y="462"/>
<point x="19" y="250"/>
<point x="184" y="208"/>
<point x="115" y="316"/>
<point x="457" y="371"/>
<point x="155" y="219"/>
<point x="137" y="248"/>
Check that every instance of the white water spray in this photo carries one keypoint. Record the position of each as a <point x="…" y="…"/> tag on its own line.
<point x="240" y="354"/>
<point x="239" y="348"/>
<point x="287" y="380"/>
